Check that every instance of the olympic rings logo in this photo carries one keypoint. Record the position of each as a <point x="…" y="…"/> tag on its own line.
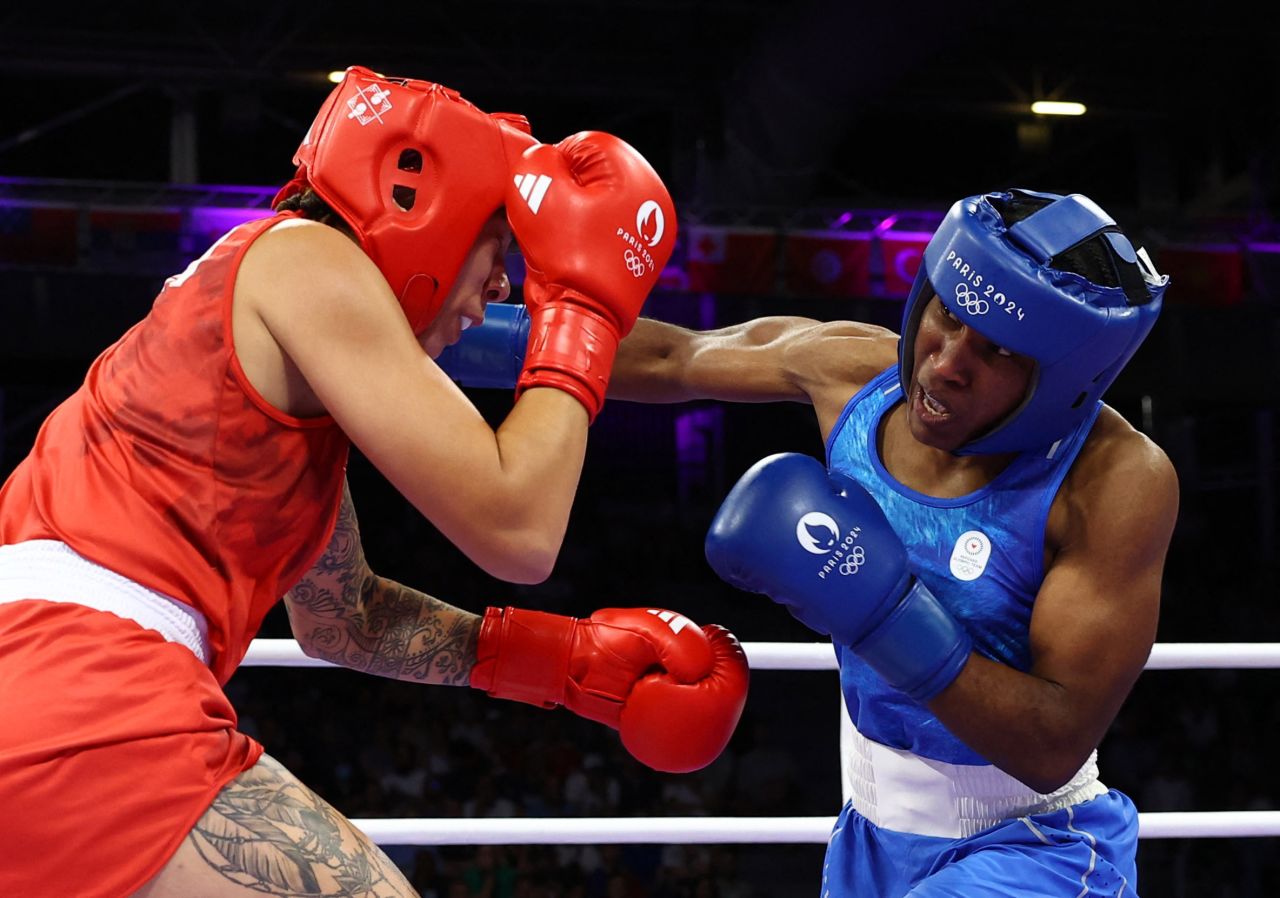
<point x="854" y="560"/>
<point x="969" y="300"/>
<point x="635" y="264"/>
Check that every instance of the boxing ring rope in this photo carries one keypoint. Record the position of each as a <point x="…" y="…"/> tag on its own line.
<point x="736" y="830"/>
<point x="778" y="830"/>
<point x="818" y="655"/>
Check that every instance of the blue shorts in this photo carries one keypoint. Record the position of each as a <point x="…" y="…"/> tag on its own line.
<point x="1078" y="852"/>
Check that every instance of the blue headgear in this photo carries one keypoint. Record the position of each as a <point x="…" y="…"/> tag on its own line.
<point x="999" y="280"/>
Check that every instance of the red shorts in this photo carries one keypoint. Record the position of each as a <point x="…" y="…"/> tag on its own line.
<point x="113" y="742"/>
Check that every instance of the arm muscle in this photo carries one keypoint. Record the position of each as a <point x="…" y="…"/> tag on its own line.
<point x="764" y="360"/>
<point x="1093" y="623"/>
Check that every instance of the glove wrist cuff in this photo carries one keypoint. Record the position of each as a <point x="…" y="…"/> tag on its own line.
<point x="919" y="648"/>
<point x="571" y="348"/>
<point x="524" y="655"/>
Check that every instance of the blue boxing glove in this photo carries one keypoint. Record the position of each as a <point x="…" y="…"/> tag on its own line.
<point x="818" y="543"/>
<point x="491" y="354"/>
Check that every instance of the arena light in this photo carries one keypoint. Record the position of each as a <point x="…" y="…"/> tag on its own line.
<point x="336" y="77"/>
<point x="1054" y="107"/>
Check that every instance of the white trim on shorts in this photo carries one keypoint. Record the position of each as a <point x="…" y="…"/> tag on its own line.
<point x="901" y="791"/>
<point x="51" y="570"/>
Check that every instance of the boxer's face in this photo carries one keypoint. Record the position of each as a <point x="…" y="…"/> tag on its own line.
<point x="482" y="279"/>
<point x="961" y="383"/>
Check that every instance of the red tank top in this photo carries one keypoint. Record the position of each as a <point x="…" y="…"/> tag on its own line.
<point x="167" y="467"/>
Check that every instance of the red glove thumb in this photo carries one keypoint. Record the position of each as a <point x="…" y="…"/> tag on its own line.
<point x="678" y="725"/>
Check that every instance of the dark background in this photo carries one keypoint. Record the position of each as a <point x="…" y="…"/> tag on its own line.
<point x="766" y="113"/>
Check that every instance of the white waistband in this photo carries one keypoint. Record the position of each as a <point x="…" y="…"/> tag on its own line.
<point x="51" y="570"/>
<point x="901" y="791"/>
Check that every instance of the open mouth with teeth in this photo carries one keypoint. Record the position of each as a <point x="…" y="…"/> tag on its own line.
<point x="930" y="407"/>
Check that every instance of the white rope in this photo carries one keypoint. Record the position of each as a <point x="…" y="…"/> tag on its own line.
<point x="777" y="830"/>
<point x="819" y="656"/>
<point x="1183" y="655"/>
<point x="279" y="653"/>
<point x="1213" y="824"/>
<point x="735" y="830"/>
<point x="597" y="830"/>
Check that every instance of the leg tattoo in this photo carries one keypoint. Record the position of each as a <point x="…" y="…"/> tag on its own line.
<point x="272" y="835"/>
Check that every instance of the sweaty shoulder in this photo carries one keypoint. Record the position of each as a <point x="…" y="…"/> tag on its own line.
<point x="834" y="360"/>
<point x="306" y="259"/>
<point x="302" y="287"/>
<point x="1121" y="484"/>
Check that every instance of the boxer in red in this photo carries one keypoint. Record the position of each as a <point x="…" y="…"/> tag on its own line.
<point x="198" y="476"/>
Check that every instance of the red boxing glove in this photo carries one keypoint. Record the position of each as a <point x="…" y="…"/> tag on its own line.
<point x="673" y="691"/>
<point x="596" y="227"/>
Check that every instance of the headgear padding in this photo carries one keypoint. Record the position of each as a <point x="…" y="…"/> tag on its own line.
<point x="416" y="171"/>
<point x="1001" y="280"/>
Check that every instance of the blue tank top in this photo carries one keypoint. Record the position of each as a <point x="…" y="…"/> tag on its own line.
<point x="982" y="556"/>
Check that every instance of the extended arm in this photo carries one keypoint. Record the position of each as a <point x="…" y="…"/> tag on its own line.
<point x="764" y="360"/>
<point x="673" y="690"/>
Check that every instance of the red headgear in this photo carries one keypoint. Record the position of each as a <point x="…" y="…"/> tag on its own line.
<point x="415" y="170"/>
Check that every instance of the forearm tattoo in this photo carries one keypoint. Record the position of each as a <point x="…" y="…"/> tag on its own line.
<point x="272" y="835"/>
<point x="344" y="613"/>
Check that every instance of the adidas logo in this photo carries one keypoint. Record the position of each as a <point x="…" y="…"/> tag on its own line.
<point x="676" y="622"/>
<point x="533" y="188"/>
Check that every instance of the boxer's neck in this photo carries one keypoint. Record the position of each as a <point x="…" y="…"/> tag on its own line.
<point x="930" y="471"/>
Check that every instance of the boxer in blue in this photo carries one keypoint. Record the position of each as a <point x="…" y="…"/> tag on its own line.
<point x="984" y="544"/>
